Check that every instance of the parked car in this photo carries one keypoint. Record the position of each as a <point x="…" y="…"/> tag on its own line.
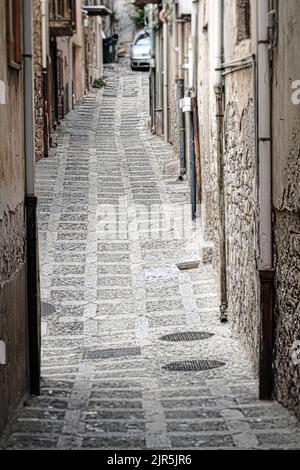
<point x="141" y="51"/>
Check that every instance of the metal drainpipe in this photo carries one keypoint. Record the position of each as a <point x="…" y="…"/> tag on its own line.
<point x="33" y="297"/>
<point x="192" y="166"/>
<point x="264" y="137"/>
<point x="219" y="90"/>
<point x="193" y="85"/>
<point x="45" y="39"/>
<point x="152" y="69"/>
<point x="175" y="35"/>
<point x="165" y="77"/>
<point x="180" y="94"/>
<point x="181" y="123"/>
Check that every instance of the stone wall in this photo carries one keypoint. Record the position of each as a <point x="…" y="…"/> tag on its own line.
<point x="241" y="209"/>
<point x="13" y="324"/>
<point x="13" y="318"/>
<point x="206" y="107"/>
<point x="239" y="166"/>
<point x="38" y="80"/>
<point x="286" y="200"/>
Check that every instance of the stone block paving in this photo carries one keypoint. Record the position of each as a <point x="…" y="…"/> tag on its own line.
<point x="112" y="277"/>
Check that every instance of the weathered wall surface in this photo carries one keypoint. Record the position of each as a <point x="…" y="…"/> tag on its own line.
<point x="13" y="379"/>
<point x="241" y="204"/>
<point x="239" y="164"/>
<point x="78" y="56"/>
<point x="286" y="200"/>
<point x="38" y="81"/>
<point x="241" y="176"/>
<point x="206" y="110"/>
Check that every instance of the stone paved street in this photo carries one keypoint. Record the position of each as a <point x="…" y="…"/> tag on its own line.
<point x="116" y="290"/>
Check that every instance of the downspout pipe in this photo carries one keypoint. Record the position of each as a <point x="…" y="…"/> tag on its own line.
<point x="45" y="41"/>
<point x="181" y="124"/>
<point x="165" y="75"/>
<point x="264" y="148"/>
<point x="192" y="86"/>
<point x="31" y="205"/>
<point x="193" y="64"/>
<point x="219" y="93"/>
<point x="175" y="35"/>
<point x="180" y="95"/>
<point x="152" y="76"/>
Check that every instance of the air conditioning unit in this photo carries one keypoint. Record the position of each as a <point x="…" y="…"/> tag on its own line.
<point x="184" y="7"/>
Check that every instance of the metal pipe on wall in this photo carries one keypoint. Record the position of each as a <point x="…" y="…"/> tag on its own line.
<point x="181" y="124"/>
<point x="33" y="297"/>
<point x="192" y="93"/>
<point x="180" y="48"/>
<point x="194" y="28"/>
<point x="192" y="165"/>
<point x="165" y="77"/>
<point x="175" y="35"/>
<point x="45" y="42"/>
<point x="219" y="90"/>
<point x="178" y="26"/>
<point x="152" y="75"/>
<point x="264" y="148"/>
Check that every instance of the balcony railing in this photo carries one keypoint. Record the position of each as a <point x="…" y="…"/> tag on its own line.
<point x="62" y="17"/>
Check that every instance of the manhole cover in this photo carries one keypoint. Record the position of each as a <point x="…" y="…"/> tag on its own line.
<point x="47" y="309"/>
<point x="187" y="366"/>
<point x="186" y="336"/>
<point x="112" y="353"/>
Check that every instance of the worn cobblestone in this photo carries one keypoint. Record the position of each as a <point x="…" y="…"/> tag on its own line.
<point x="126" y="292"/>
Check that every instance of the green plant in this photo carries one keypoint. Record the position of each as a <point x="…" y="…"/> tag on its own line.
<point x="99" y="82"/>
<point x="139" y="17"/>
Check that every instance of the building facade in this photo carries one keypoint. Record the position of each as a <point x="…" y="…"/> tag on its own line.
<point x="236" y="135"/>
<point x="42" y="76"/>
<point x="13" y="263"/>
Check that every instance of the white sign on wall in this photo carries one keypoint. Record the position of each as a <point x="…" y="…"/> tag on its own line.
<point x="2" y="353"/>
<point x="2" y="92"/>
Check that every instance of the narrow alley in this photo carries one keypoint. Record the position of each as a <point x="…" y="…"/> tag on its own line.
<point x="112" y="377"/>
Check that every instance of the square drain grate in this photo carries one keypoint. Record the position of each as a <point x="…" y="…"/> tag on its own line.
<point x="111" y="353"/>
<point x="187" y="336"/>
<point x="191" y="366"/>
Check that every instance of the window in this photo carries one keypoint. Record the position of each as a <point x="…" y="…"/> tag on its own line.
<point x="143" y="41"/>
<point x="243" y="16"/>
<point x="13" y="10"/>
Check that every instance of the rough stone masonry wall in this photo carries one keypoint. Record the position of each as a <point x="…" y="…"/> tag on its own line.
<point x="38" y="81"/>
<point x="286" y="199"/>
<point x="241" y="203"/>
<point x="13" y="328"/>
<point x="13" y="331"/>
<point x="287" y="278"/>
<point x="206" y="113"/>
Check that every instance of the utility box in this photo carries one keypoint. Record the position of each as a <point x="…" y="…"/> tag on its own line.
<point x="184" y="7"/>
<point x="186" y="104"/>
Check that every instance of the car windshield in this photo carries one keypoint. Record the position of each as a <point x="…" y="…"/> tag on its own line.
<point x="143" y="41"/>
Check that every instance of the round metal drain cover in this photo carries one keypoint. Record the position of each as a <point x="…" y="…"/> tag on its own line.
<point x="186" y="336"/>
<point x="190" y="366"/>
<point x="47" y="309"/>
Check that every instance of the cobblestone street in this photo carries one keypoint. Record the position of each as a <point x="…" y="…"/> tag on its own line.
<point x="115" y="294"/>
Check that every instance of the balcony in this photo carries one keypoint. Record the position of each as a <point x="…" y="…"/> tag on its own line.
<point x="62" y="18"/>
<point x="97" y="10"/>
<point x="142" y="3"/>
